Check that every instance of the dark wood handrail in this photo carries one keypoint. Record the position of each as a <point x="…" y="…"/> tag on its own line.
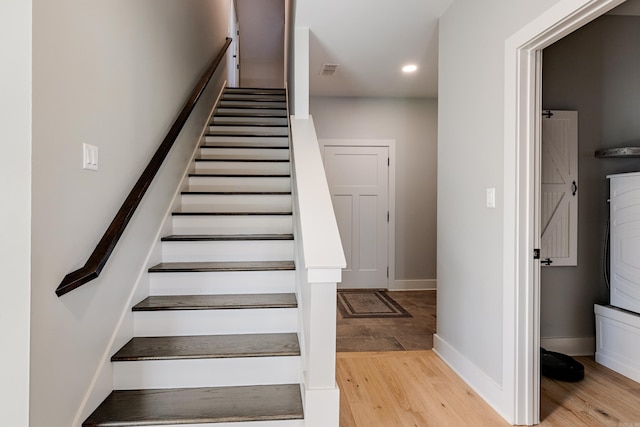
<point x="103" y="250"/>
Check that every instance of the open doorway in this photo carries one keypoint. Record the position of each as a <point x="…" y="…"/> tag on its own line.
<point x="262" y="43"/>
<point x="593" y="72"/>
<point x="524" y="72"/>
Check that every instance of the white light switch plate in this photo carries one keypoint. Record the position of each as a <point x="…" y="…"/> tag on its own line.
<point x="89" y="157"/>
<point x="491" y="197"/>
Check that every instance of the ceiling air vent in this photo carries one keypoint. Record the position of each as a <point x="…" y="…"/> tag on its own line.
<point x="329" y="69"/>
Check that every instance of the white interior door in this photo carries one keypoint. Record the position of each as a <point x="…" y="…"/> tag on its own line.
<point x="559" y="201"/>
<point x="358" y="178"/>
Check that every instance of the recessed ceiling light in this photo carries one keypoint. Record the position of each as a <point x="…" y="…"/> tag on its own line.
<point x="409" y="68"/>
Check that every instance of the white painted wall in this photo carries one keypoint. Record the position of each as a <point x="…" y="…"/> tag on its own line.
<point x="15" y="186"/>
<point x="471" y="102"/>
<point x="592" y="71"/>
<point x="113" y="74"/>
<point x="413" y="124"/>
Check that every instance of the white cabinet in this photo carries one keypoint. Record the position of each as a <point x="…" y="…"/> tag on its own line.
<point x="625" y="241"/>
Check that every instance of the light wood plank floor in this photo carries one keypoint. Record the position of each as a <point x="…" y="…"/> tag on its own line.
<point x="417" y="389"/>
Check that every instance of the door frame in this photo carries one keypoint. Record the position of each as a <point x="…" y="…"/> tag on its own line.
<point x="391" y="145"/>
<point x="521" y="227"/>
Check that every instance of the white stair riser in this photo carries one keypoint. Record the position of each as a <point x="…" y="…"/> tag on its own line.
<point x="243" y="153"/>
<point x="236" y="203"/>
<point x="240" y="168"/>
<point x="206" y="372"/>
<point x="231" y="129"/>
<point x="215" y="322"/>
<point x="232" y="224"/>
<point x="253" y="104"/>
<point x="267" y="140"/>
<point x="258" y="250"/>
<point x="223" y="282"/>
<point x="258" y="120"/>
<point x="274" y="96"/>
<point x="239" y="184"/>
<point x="259" y="112"/>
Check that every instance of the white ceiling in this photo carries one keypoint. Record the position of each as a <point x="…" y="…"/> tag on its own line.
<point x="372" y="40"/>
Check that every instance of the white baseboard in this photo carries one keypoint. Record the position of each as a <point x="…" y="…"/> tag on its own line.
<point x="490" y="391"/>
<point x="414" y="285"/>
<point x="583" y="346"/>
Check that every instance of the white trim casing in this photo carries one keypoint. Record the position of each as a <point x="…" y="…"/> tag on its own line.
<point x="521" y="284"/>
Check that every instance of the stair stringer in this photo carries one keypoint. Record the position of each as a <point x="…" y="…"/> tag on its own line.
<point x="101" y="383"/>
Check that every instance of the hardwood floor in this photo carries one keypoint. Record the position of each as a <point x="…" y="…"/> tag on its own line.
<point x="407" y="389"/>
<point x="417" y="389"/>
<point x="603" y="398"/>
<point x="383" y="386"/>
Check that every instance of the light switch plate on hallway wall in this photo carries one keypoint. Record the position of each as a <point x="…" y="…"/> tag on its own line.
<point x="491" y="197"/>
<point x="89" y="157"/>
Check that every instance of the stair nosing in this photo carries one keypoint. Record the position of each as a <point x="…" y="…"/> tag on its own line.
<point x="239" y="114"/>
<point x="190" y="347"/>
<point x="216" y="302"/>
<point x="271" y="147"/>
<point x="243" y="160"/>
<point x="246" y="135"/>
<point x="251" y="107"/>
<point x="230" y="175"/>
<point x="236" y="193"/>
<point x="249" y="125"/>
<point x="148" y="401"/>
<point x="193" y="267"/>
<point x="225" y="237"/>
<point x="286" y="213"/>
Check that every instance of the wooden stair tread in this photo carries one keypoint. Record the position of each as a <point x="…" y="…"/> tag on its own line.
<point x="246" y="135"/>
<point x="189" y="213"/>
<point x="173" y="267"/>
<point x="198" y="406"/>
<point x="249" y="125"/>
<point x="242" y="123"/>
<point x="237" y="193"/>
<point x="250" y="114"/>
<point x="216" y="302"/>
<point x="208" y="347"/>
<point x="255" y="90"/>
<point x="254" y="96"/>
<point x="243" y="175"/>
<point x="253" y="107"/>
<point x="244" y="160"/>
<point x="224" y="237"/>
<point x="231" y="144"/>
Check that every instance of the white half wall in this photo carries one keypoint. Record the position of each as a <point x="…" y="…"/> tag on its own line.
<point x="113" y="74"/>
<point x="15" y="215"/>
<point x="412" y="123"/>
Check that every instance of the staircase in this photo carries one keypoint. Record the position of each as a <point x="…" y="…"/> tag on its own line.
<point x="216" y="343"/>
